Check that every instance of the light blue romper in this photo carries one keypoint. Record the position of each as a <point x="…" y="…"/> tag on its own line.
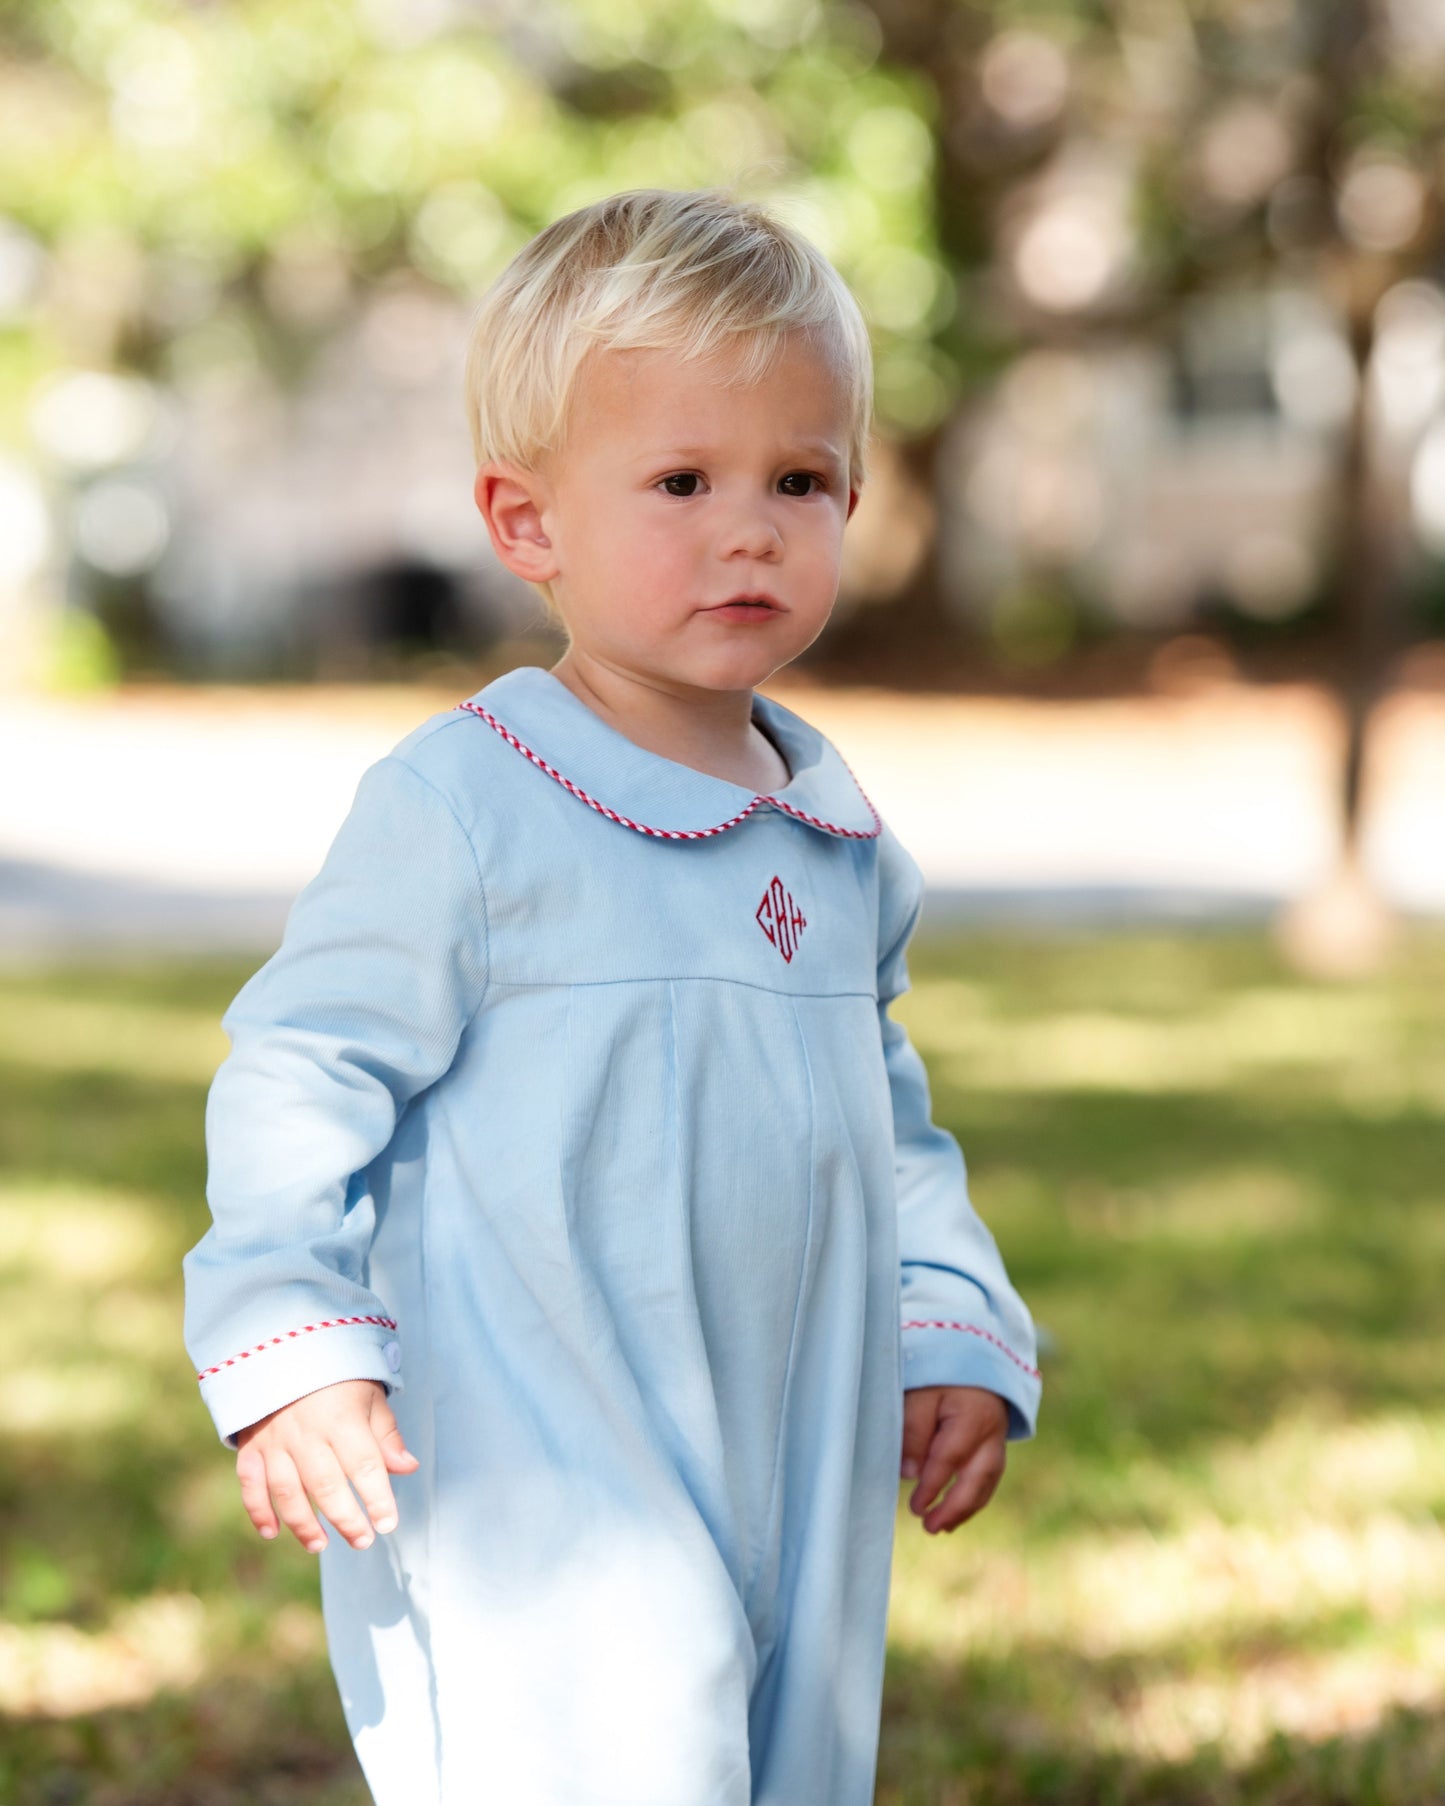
<point x="570" y="1109"/>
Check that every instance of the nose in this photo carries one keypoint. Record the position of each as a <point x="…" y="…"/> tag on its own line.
<point x="751" y="531"/>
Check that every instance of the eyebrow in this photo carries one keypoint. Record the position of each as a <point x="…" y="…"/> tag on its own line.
<point x="823" y="448"/>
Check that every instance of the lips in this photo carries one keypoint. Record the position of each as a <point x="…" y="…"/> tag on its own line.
<point x="759" y="599"/>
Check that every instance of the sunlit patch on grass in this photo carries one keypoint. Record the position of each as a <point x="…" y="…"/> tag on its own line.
<point x="1132" y="1593"/>
<point x="1308" y="1602"/>
<point x="57" y="1670"/>
<point x="88" y="1310"/>
<point x="1346" y="1470"/>
<point x="78" y="1238"/>
<point x="294" y="1635"/>
<point x="1308" y="1696"/>
<point x="71" y="1400"/>
<point x="149" y="1041"/>
<point x="1229" y="1203"/>
<point x="138" y="1327"/>
<point x="164" y="1642"/>
<point x="1356" y="1044"/>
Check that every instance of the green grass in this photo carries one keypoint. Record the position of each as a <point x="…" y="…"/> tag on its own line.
<point x="1218" y="1574"/>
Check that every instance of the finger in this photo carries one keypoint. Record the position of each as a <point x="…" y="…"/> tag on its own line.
<point x="255" y="1497"/>
<point x="951" y="1446"/>
<point x="292" y="1505"/>
<point x="920" y="1415"/>
<point x="325" y="1479"/>
<point x="968" y="1418"/>
<point x="976" y="1484"/>
<point x="398" y="1457"/>
<point x="963" y="1500"/>
<point x="364" y="1465"/>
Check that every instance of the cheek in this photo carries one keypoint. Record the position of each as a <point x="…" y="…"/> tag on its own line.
<point x="643" y="566"/>
<point x="653" y="542"/>
<point x="822" y="545"/>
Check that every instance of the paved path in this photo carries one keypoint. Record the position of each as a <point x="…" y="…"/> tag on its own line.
<point x="188" y="820"/>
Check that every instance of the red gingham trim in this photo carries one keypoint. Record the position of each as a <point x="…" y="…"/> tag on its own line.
<point x="677" y="833"/>
<point x="973" y="1329"/>
<point x="305" y="1329"/>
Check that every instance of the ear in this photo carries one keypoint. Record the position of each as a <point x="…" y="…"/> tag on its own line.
<point x="853" y="495"/>
<point x="513" y="502"/>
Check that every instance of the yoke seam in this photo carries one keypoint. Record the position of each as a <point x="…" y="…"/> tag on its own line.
<point x="666" y="978"/>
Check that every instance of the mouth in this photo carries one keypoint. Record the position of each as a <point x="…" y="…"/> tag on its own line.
<point x="757" y="601"/>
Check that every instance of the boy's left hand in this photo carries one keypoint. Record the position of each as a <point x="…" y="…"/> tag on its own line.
<point x="947" y="1431"/>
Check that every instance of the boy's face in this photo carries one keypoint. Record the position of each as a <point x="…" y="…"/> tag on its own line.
<point x="678" y="489"/>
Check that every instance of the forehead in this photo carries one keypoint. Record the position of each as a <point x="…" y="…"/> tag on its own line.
<point x="636" y="394"/>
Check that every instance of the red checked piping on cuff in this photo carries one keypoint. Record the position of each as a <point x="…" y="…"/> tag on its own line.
<point x="679" y="833"/>
<point x="972" y="1329"/>
<point x="305" y="1330"/>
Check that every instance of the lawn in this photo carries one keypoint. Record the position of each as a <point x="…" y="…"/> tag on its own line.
<point x="1217" y="1575"/>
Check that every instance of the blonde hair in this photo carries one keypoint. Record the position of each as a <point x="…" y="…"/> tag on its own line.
<point x="695" y="271"/>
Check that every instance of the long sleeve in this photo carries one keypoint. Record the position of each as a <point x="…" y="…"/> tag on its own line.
<point x="963" y="1322"/>
<point x="380" y="969"/>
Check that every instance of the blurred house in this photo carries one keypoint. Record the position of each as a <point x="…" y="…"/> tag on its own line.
<point x="1159" y="479"/>
<point x="261" y="532"/>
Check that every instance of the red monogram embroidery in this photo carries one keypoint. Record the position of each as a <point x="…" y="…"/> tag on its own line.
<point x="780" y="918"/>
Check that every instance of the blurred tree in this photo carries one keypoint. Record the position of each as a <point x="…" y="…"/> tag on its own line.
<point x="203" y="196"/>
<point x="1304" y="137"/>
<point x="202" y="193"/>
<point x="1374" y="145"/>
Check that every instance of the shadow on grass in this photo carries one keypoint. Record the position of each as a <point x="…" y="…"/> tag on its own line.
<point x="238" y="1740"/>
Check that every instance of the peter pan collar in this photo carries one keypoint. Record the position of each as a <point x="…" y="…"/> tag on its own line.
<point x="540" y="717"/>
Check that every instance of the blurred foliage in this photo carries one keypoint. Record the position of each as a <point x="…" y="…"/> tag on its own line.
<point x="81" y="656"/>
<point x="194" y="154"/>
<point x="1216" y="1576"/>
<point x="181" y="159"/>
<point x="205" y="194"/>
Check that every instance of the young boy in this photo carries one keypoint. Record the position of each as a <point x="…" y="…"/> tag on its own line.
<point x="567" y="1164"/>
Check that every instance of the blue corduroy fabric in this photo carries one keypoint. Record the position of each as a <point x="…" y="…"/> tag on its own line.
<point x="570" y="1109"/>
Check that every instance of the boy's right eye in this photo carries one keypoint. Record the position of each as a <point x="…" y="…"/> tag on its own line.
<point x="681" y="476"/>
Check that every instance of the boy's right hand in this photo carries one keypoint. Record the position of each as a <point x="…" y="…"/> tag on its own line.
<point x="313" y="1446"/>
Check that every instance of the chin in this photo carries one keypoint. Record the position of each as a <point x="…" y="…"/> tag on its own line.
<point x="739" y="671"/>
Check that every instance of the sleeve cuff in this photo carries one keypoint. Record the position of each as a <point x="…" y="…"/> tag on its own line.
<point x="250" y="1386"/>
<point x="966" y="1354"/>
